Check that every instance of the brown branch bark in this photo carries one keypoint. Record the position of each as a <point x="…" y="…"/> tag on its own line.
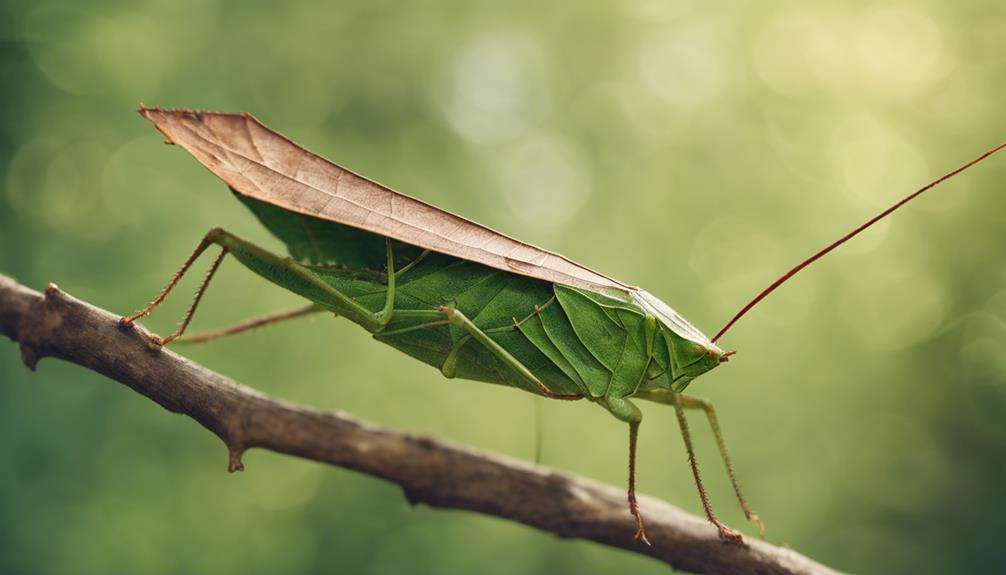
<point x="429" y="471"/>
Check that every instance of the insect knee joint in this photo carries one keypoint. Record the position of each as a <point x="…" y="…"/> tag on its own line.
<point x="453" y="316"/>
<point x="695" y="402"/>
<point x="215" y="234"/>
<point x="222" y="238"/>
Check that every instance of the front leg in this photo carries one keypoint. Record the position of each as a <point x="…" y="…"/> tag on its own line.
<point x="691" y="402"/>
<point x="680" y="403"/>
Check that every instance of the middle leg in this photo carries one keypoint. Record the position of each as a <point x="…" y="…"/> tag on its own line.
<point x="627" y="411"/>
<point x="458" y="319"/>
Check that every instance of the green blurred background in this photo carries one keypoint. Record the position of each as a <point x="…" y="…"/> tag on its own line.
<point x="692" y="149"/>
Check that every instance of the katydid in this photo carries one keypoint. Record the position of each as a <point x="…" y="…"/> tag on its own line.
<point x="472" y="302"/>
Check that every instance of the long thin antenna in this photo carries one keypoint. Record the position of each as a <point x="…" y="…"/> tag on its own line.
<point x="782" y="279"/>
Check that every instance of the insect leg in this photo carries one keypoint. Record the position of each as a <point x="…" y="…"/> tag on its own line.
<point x="627" y="411"/>
<point x="681" y="402"/>
<point x="195" y="301"/>
<point x="384" y="316"/>
<point x="422" y="256"/>
<point x="171" y="284"/>
<point x="726" y="533"/>
<point x="206" y="242"/>
<point x="269" y="266"/>
<point x="689" y="402"/>
<point x="458" y="319"/>
<point x="539" y="422"/>
<point x="253" y="323"/>
<point x="450" y="366"/>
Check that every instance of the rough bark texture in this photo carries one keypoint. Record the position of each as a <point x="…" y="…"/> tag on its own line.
<point x="429" y="471"/>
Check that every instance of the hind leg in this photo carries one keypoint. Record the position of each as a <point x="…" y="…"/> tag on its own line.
<point x="282" y="271"/>
<point x="252" y="324"/>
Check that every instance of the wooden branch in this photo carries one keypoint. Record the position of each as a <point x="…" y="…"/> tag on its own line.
<point x="429" y="471"/>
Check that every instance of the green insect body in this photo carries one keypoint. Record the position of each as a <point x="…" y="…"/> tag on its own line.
<point x="479" y="323"/>
<point x="575" y="342"/>
<point x="471" y="302"/>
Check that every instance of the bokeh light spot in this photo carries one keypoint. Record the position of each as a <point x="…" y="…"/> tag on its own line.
<point x="900" y="51"/>
<point x="894" y="305"/>
<point x="876" y="164"/>
<point x="797" y="53"/>
<point x="544" y="180"/>
<point x="495" y="90"/>
<point x="684" y="66"/>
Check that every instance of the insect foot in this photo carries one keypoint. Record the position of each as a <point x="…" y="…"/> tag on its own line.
<point x="728" y="535"/>
<point x="640" y="531"/>
<point x="634" y="510"/>
<point x="753" y="518"/>
<point x="128" y="323"/>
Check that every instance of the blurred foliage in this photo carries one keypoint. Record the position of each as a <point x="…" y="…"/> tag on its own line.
<point x="696" y="149"/>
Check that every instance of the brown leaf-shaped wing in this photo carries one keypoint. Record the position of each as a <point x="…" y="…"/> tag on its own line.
<point x="255" y="161"/>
